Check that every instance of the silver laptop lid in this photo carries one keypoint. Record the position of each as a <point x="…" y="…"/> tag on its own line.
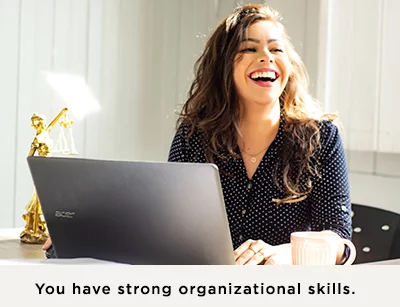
<point x="134" y="212"/>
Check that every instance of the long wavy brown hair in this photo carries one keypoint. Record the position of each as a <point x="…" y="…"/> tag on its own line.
<point x="213" y="107"/>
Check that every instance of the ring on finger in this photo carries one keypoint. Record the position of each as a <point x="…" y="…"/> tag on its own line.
<point x="250" y="248"/>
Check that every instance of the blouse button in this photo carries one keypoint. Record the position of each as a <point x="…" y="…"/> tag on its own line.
<point x="240" y="237"/>
<point x="243" y="211"/>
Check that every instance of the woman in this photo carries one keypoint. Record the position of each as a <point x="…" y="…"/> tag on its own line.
<point x="281" y="160"/>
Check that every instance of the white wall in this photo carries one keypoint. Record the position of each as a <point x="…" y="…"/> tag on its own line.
<point x="137" y="57"/>
<point x="9" y="33"/>
<point x="361" y="65"/>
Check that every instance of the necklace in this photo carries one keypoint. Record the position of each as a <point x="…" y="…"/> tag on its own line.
<point x="253" y="156"/>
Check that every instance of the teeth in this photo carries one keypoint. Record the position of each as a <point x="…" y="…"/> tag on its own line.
<point x="264" y="74"/>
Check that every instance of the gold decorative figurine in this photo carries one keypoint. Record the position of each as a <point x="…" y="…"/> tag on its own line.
<point x="35" y="228"/>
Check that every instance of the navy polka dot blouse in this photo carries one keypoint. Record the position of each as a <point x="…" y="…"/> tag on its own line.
<point x="251" y="212"/>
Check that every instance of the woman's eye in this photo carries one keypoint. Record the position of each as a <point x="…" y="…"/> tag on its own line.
<point x="249" y="50"/>
<point x="276" y="50"/>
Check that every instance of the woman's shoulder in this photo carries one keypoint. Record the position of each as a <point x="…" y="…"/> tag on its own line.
<point x="188" y="132"/>
<point x="186" y="145"/>
<point x="307" y="128"/>
<point x="328" y="133"/>
<point x="330" y="140"/>
<point x="189" y="137"/>
<point x="328" y="129"/>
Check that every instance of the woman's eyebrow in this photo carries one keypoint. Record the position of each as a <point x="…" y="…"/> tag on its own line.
<point x="255" y="40"/>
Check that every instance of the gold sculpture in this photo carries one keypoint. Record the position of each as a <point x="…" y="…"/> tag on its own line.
<point x="62" y="141"/>
<point x="35" y="228"/>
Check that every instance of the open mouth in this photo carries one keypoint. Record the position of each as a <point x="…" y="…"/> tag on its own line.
<point x="264" y="76"/>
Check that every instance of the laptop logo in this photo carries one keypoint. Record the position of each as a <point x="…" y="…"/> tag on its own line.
<point x="65" y="214"/>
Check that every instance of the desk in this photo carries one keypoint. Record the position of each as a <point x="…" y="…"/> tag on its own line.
<point x="12" y="248"/>
<point x="386" y="262"/>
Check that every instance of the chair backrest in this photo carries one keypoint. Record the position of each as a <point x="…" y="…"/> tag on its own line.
<point x="376" y="233"/>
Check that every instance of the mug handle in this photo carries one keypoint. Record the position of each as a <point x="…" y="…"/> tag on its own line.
<point x="353" y="252"/>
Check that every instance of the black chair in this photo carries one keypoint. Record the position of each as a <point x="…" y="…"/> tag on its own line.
<point x="376" y="234"/>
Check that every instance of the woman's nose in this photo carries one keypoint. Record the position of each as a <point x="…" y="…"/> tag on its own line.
<point x="266" y="57"/>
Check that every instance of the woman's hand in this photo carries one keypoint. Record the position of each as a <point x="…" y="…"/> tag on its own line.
<point x="47" y="244"/>
<point x="254" y="252"/>
<point x="283" y="255"/>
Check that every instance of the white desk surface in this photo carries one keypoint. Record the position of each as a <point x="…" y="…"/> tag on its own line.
<point x="13" y="251"/>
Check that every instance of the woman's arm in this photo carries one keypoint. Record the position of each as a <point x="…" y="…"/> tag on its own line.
<point x="330" y="197"/>
<point x="179" y="150"/>
<point x="184" y="150"/>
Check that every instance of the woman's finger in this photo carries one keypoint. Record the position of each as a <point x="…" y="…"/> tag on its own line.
<point x="242" y="248"/>
<point x="270" y="261"/>
<point x="46" y="244"/>
<point x="263" y="255"/>
<point x="256" y="259"/>
<point x="258" y="245"/>
<point x="244" y="257"/>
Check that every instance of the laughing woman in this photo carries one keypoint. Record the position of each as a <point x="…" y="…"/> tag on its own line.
<point x="281" y="159"/>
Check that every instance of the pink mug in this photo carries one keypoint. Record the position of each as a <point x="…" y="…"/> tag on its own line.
<point x="318" y="248"/>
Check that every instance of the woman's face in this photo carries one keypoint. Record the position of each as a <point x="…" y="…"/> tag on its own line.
<point x="262" y="66"/>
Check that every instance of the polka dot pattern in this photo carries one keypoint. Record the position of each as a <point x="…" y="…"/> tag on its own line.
<point x="251" y="212"/>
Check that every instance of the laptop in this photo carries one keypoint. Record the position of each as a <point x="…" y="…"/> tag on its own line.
<point x="144" y="213"/>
